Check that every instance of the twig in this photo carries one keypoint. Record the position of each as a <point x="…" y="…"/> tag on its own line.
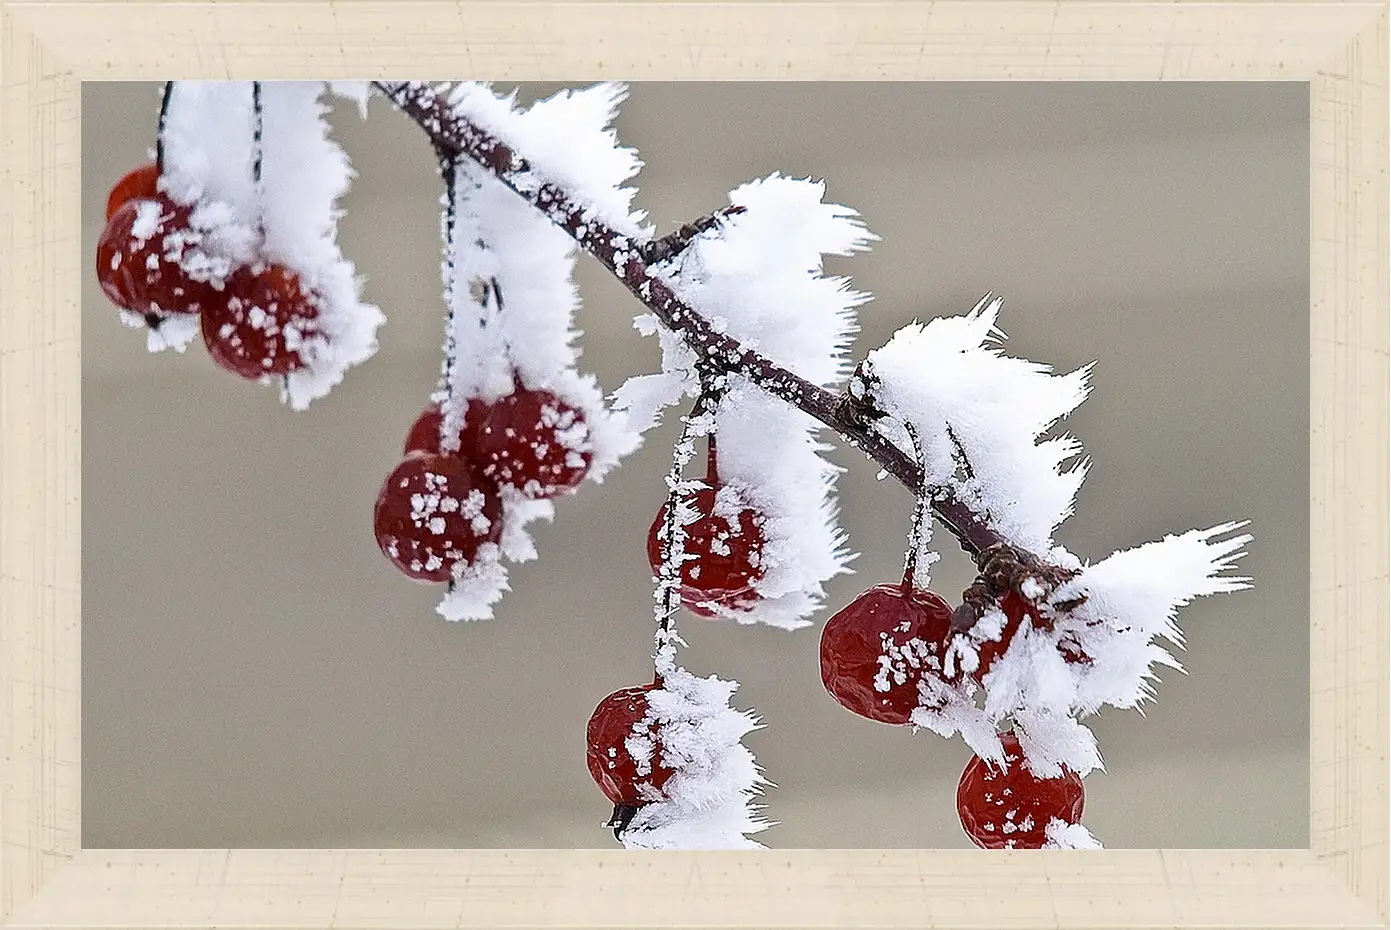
<point x="659" y="250"/>
<point x="626" y="260"/>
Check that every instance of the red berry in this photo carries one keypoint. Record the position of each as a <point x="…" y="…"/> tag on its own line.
<point x="424" y="434"/>
<point x="434" y="512"/>
<point x="618" y="717"/>
<point x="140" y="183"/>
<point x="138" y="260"/>
<point x="876" y="648"/>
<point x="530" y="440"/>
<point x="728" y="556"/>
<point x="1015" y="609"/>
<point x="1010" y="808"/>
<point x="260" y="323"/>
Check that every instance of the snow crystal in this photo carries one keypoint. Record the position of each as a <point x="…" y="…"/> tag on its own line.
<point x="1059" y="834"/>
<point x="476" y="586"/>
<point x="708" y="802"/>
<point x="175" y="331"/>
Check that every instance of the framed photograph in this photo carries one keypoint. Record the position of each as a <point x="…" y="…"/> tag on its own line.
<point x="648" y="488"/>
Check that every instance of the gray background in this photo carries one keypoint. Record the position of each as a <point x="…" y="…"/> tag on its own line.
<point x="257" y="675"/>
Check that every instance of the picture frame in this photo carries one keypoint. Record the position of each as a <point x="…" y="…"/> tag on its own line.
<point x="47" y="49"/>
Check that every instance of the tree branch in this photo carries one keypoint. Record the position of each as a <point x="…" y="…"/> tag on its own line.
<point x="629" y="260"/>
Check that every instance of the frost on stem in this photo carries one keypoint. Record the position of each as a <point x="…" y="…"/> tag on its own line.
<point x="288" y="217"/>
<point x="753" y="273"/>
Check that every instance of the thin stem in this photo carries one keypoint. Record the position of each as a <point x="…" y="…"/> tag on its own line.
<point x="674" y="545"/>
<point x="257" y="156"/>
<point x="163" y="121"/>
<point x="915" y="535"/>
<point x="623" y="257"/>
<point x="257" y="131"/>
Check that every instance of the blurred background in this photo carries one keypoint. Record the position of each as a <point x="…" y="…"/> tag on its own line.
<point x="255" y="674"/>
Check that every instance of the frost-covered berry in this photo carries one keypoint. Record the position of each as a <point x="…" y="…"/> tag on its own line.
<point x="530" y="440"/>
<point x="261" y="322"/>
<point x="138" y="260"/>
<point x="619" y="727"/>
<point x="142" y="183"/>
<point x="1010" y="808"/>
<point x="434" y="512"/>
<point x="727" y="549"/>
<point x="875" y="650"/>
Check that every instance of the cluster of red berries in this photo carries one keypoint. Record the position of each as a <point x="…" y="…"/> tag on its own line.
<point x="256" y="322"/>
<point x="437" y="508"/>
<point x="723" y="548"/>
<point x="877" y="650"/>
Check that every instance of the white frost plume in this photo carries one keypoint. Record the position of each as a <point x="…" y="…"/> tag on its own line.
<point x="509" y="284"/>
<point x="1131" y="600"/>
<point x="358" y="92"/>
<point x="708" y="802"/>
<point x="950" y="379"/>
<point x="767" y="451"/>
<point x="1059" y="834"/>
<point x="567" y="141"/>
<point x="290" y="216"/>
<point x="757" y="276"/>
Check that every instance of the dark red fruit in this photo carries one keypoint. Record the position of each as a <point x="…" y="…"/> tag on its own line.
<point x="728" y="556"/>
<point x="434" y="512"/>
<point x="612" y="766"/>
<point x="138" y="260"/>
<point x="1010" y="808"/>
<point x="424" y="434"/>
<point x="876" y="649"/>
<point x="140" y="183"/>
<point x="260" y="323"/>
<point x="530" y="440"/>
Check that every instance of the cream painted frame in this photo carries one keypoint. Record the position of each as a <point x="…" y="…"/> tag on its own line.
<point x="46" y="49"/>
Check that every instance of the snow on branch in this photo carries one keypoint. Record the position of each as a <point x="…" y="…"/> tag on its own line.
<point x="980" y="414"/>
